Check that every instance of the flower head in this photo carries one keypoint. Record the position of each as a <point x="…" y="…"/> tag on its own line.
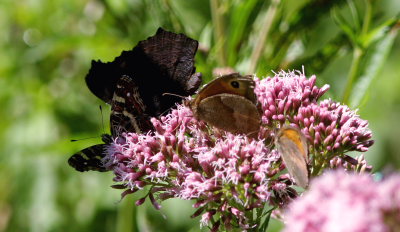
<point x="282" y="95"/>
<point x="339" y="201"/>
<point x="189" y="162"/>
<point x="331" y="129"/>
<point x="230" y="176"/>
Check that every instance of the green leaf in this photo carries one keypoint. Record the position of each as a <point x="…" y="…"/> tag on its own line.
<point x="344" y="25"/>
<point x="372" y="67"/>
<point x="354" y="15"/>
<point x="238" y="25"/>
<point x="379" y="32"/>
<point x="264" y="225"/>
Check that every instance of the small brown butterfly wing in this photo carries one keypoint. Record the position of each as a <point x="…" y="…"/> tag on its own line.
<point x="230" y="112"/>
<point x="224" y="84"/>
<point x="292" y="146"/>
<point x="229" y="103"/>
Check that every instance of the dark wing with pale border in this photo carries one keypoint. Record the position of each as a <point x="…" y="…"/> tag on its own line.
<point x="128" y="110"/>
<point x="90" y="159"/>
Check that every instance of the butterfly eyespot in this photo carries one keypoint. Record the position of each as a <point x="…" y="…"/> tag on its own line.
<point x="235" y="84"/>
<point x="229" y="103"/>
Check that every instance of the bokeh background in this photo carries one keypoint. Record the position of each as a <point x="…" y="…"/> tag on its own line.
<point x="46" y="48"/>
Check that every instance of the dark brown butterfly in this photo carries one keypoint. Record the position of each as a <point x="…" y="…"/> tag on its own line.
<point x="163" y="63"/>
<point x="134" y="84"/>
<point x="229" y="103"/>
<point x="292" y="146"/>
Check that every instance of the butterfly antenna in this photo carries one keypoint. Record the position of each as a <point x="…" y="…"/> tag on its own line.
<point x="75" y="140"/>
<point x="172" y="94"/>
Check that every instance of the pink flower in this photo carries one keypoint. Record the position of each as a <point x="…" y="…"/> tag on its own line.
<point x="284" y="94"/>
<point x="331" y="129"/>
<point x="206" y="217"/>
<point x="181" y="158"/>
<point x="334" y="126"/>
<point x="338" y="201"/>
<point x="230" y="176"/>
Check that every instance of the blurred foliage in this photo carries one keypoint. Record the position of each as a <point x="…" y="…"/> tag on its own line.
<point x="46" y="50"/>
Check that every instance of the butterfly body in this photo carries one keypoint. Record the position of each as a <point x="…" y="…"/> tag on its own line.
<point x="292" y="146"/>
<point x="229" y="103"/>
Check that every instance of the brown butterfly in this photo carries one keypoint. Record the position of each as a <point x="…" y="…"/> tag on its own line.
<point x="292" y="145"/>
<point x="229" y="103"/>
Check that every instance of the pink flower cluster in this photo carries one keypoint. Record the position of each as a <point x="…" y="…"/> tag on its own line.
<point x="339" y="202"/>
<point x="227" y="175"/>
<point x="231" y="177"/>
<point x="332" y="129"/>
<point x="282" y="95"/>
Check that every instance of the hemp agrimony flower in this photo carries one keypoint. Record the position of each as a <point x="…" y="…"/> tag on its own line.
<point x="339" y="201"/>
<point x="234" y="180"/>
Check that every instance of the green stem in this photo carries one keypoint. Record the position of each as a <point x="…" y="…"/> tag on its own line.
<point x="262" y="36"/>
<point x="219" y="33"/>
<point x="355" y="66"/>
<point x="315" y="170"/>
<point x="173" y="16"/>
<point x="367" y="17"/>
<point x="126" y="218"/>
<point x="357" y="54"/>
<point x="317" y="166"/>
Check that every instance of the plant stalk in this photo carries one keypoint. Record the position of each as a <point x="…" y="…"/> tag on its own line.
<point x="262" y="36"/>
<point x="126" y="218"/>
<point x="219" y="33"/>
<point x="354" y="70"/>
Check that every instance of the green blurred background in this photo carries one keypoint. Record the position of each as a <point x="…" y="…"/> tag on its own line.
<point x="45" y="52"/>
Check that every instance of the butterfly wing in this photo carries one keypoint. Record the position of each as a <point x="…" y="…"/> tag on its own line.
<point x="230" y="112"/>
<point x="174" y="56"/>
<point x="233" y="83"/>
<point x="292" y="146"/>
<point x="89" y="159"/>
<point x="164" y="61"/>
<point x="135" y="83"/>
<point x="128" y="111"/>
